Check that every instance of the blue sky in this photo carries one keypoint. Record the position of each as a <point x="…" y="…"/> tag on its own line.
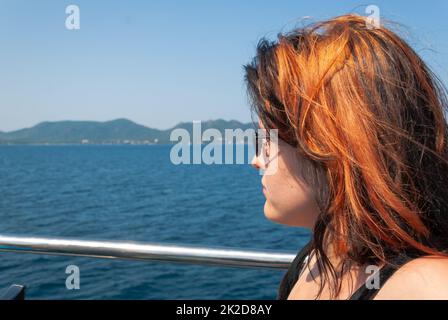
<point x="162" y="62"/>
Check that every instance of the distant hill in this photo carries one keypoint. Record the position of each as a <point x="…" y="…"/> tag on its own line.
<point x="119" y="131"/>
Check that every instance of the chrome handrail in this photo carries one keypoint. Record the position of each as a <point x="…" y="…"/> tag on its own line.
<point x="147" y="251"/>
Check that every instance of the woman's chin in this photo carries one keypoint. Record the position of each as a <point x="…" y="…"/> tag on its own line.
<point x="292" y="220"/>
<point x="273" y="215"/>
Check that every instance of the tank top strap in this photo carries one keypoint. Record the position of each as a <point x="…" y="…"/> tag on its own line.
<point x="364" y="293"/>
<point x="292" y="274"/>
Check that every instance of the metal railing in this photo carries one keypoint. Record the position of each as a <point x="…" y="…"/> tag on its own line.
<point x="147" y="251"/>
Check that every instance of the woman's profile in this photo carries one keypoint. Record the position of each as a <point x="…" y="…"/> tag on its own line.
<point x="361" y="160"/>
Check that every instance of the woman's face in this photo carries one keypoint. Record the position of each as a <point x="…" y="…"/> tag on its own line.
<point x="290" y="183"/>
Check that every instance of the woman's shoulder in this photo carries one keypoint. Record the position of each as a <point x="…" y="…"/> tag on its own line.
<point x="421" y="278"/>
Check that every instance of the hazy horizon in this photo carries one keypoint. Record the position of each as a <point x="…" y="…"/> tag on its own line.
<point x="124" y="118"/>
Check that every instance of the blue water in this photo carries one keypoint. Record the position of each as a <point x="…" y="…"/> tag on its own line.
<point x="134" y="193"/>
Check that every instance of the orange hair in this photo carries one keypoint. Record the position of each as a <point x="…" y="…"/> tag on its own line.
<point x="361" y="104"/>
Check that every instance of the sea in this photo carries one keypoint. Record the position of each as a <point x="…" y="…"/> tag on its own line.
<point x="135" y="193"/>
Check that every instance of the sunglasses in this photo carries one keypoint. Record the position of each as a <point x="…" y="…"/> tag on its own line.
<point x="261" y="142"/>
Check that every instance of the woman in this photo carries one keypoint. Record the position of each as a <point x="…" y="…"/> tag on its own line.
<point x="361" y="160"/>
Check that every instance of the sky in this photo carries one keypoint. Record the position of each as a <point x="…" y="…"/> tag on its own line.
<point x="162" y="62"/>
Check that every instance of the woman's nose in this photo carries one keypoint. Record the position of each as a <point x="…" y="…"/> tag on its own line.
<point x="256" y="163"/>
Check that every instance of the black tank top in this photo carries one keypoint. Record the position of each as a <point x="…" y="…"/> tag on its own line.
<point x="363" y="293"/>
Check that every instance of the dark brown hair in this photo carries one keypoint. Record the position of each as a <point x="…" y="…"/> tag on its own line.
<point x="361" y="104"/>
